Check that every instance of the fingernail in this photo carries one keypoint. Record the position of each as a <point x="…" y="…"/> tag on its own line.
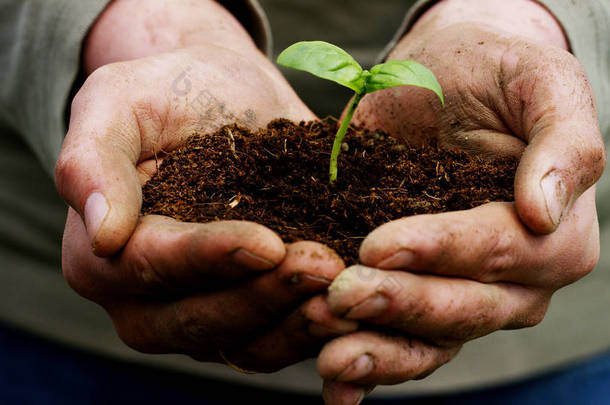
<point x="360" y="397"/>
<point x="359" y="368"/>
<point x="248" y="259"/>
<point x="371" y="307"/>
<point x="339" y="327"/>
<point x="96" y="209"/>
<point x="317" y="279"/>
<point x="399" y="260"/>
<point x="555" y="195"/>
<point x="299" y="276"/>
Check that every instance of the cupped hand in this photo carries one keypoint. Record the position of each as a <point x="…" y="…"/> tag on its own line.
<point x="227" y="291"/>
<point x="427" y="284"/>
<point x="128" y="114"/>
<point x="220" y="292"/>
<point x="505" y="95"/>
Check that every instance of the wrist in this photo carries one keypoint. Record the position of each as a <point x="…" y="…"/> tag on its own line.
<point x="132" y="29"/>
<point x="526" y="18"/>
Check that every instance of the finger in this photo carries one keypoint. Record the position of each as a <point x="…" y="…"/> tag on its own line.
<point x="96" y="171"/>
<point x="489" y="243"/>
<point x="370" y="358"/>
<point x="298" y="337"/>
<point x="166" y="257"/>
<point x="227" y="318"/>
<point x="565" y="153"/>
<point x="446" y="311"/>
<point x="340" y="393"/>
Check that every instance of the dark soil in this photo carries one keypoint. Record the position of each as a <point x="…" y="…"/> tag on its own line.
<point x="279" y="177"/>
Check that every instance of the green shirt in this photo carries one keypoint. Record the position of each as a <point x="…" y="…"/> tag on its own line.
<point x="39" y="54"/>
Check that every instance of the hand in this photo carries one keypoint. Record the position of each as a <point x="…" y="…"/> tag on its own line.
<point x="206" y="290"/>
<point x="169" y="286"/>
<point x="506" y="94"/>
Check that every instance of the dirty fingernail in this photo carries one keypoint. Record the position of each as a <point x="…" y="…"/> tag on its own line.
<point x="359" y="368"/>
<point x="399" y="260"/>
<point x="317" y="279"/>
<point x="339" y="327"/>
<point x="371" y="307"/>
<point x="96" y="209"/>
<point x="298" y="277"/>
<point x="555" y="195"/>
<point x="248" y="259"/>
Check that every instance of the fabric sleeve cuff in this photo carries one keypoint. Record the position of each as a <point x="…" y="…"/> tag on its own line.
<point x="587" y="28"/>
<point x="42" y="58"/>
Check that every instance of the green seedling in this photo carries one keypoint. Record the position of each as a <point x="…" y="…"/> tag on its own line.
<point x="330" y="62"/>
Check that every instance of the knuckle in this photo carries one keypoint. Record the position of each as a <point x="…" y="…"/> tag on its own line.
<point x="77" y="280"/>
<point x="533" y="314"/>
<point x="80" y="279"/>
<point x="132" y="335"/>
<point x="149" y="277"/>
<point x="439" y="358"/>
<point x="105" y="74"/>
<point x="67" y="168"/>
<point x="533" y="317"/>
<point x="499" y="256"/>
<point x="587" y="261"/>
<point x="596" y="154"/>
<point x="590" y="261"/>
<point x="192" y="327"/>
<point x="475" y="319"/>
<point x="478" y="322"/>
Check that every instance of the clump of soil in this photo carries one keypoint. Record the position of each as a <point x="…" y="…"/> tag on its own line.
<point x="279" y="177"/>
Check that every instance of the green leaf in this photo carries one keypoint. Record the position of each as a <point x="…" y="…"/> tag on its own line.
<point x="324" y="60"/>
<point x="400" y="73"/>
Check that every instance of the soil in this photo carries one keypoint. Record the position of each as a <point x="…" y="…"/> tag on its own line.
<point x="279" y="177"/>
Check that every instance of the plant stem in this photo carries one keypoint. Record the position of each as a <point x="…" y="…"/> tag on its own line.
<point x="341" y="134"/>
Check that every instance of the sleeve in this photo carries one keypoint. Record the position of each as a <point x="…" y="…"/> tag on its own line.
<point x="40" y="46"/>
<point x="40" y="50"/>
<point x="587" y="27"/>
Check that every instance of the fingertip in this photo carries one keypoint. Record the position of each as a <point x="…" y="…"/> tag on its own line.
<point x="260" y="248"/>
<point x="251" y="260"/>
<point x="323" y="323"/>
<point x="340" y="393"/>
<point x="312" y="260"/>
<point x="542" y="200"/>
<point x="109" y="228"/>
<point x="385" y="241"/>
<point x="352" y="286"/>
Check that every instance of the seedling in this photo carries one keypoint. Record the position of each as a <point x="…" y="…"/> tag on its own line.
<point x="330" y="62"/>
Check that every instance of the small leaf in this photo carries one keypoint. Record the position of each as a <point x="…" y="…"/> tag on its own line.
<point x="324" y="60"/>
<point x="400" y="73"/>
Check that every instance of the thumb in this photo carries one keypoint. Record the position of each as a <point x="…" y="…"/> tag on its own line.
<point x="565" y="156"/>
<point x="96" y="170"/>
<point x="342" y="393"/>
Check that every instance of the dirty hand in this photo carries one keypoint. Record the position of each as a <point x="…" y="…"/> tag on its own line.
<point x="200" y="289"/>
<point x="510" y="89"/>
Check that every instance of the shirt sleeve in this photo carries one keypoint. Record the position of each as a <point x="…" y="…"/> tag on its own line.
<point x="587" y="27"/>
<point x="40" y="46"/>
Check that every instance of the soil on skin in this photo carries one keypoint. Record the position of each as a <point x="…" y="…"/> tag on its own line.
<point x="279" y="177"/>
